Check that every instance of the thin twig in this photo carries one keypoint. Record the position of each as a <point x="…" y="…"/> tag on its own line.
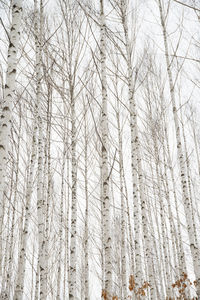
<point x="184" y="4"/>
<point x="5" y="29"/>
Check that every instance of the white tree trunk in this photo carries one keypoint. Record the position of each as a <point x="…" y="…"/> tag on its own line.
<point x="73" y="258"/>
<point x="7" y="103"/>
<point x="86" y="233"/>
<point x="61" y="212"/>
<point x="105" y="175"/>
<point x="181" y="255"/>
<point x="9" y="278"/>
<point x="66" y="234"/>
<point x="123" y="215"/>
<point x="23" y="251"/>
<point x="48" y="175"/>
<point x="40" y="200"/>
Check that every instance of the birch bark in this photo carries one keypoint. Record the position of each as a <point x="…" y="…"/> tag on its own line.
<point x="123" y="219"/>
<point x="73" y="268"/>
<point x="86" y="233"/>
<point x="49" y="195"/>
<point x="181" y="256"/>
<point x="7" y="103"/>
<point x="105" y="174"/>
<point x="22" y="255"/>
<point x="61" y="214"/>
<point x="40" y="200"/>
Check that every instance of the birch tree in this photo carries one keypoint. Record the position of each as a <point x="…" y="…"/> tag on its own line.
<point x="7" y="103"/>
<point x="42" y="268"/>
<point x="105" y="173"/>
